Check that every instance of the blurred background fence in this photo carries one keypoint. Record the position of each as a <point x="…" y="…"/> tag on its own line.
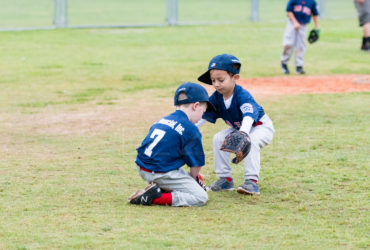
<point x="49" y="14"/>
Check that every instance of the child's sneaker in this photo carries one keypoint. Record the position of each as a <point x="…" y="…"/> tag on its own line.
<point x="300" y="70"/>
<point x="222" y="184"/>
<point x="249" y="187"/>
<point x="284" y="68"/>
<point x="146" y="196"/>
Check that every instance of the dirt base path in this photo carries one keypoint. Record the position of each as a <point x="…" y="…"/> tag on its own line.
<point x="291" y="85"/>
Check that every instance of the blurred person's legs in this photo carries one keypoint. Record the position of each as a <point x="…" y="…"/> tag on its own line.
<point x="363" y="10"/>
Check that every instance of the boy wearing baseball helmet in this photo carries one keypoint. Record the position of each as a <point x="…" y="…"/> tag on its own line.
<point x="240" y="111"/>
<point x="172" y="142"/>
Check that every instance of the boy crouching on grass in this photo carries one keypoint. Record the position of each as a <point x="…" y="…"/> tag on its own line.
<point x="172" y="142"/>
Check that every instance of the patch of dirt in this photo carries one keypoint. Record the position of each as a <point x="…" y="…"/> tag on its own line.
<point x="135" y="113"/>
<point x="127" y="116"/>
<point x="292" y="85"/>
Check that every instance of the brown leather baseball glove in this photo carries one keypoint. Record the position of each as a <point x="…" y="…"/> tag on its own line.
<point x="239" y="143"/>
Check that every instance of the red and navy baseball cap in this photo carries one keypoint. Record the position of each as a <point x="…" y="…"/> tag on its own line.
<point x="194" y="93"/>
<point x="225" y="62"/>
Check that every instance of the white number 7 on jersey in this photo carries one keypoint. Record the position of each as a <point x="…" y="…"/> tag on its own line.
<point x="156" y="132"/>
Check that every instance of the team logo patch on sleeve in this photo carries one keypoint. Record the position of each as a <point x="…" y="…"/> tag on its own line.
<point x="246" y="108"/>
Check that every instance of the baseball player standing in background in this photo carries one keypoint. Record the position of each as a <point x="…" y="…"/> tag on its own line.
<point x="299" y="15"/>
<point x="240" y="111"/>
<point x="172" y="142"/>
<point x="363" y="10"/>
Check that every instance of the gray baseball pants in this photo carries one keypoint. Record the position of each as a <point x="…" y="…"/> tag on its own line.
<point x="294" y="39"/>
<point x="260" y="137"/>
<point x="185" y="190"/>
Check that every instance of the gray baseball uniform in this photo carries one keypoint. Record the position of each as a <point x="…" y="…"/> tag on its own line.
<point x="185" y="191"/>
<point x="260" y="135"/>
<point x="294" y="39"/>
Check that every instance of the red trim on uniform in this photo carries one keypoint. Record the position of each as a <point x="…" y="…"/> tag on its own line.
<point x="165" y="199"/>
<point x="229" y="179"/>
<point x="254" y="181"/>
<point x="144" y="169"/>
<point x="200" y="178"/>
<point x="257" y="124"/>
<point x="149" y="171"/>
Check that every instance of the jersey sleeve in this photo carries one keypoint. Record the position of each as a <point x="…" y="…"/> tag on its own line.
<point x="290" y="6"/>
<point x="212" y="116"/>
<point x="315" y="9"/>
<point x="248" y="107"/>
<point x="192" y="152"/>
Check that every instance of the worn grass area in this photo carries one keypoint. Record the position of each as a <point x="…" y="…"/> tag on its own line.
<point x="64" y="182"/>
<point x="75" y="66"/>
<point x="76" y="103"/>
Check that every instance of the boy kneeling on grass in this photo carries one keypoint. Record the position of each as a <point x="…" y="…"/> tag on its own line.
<point x="172" y="142"/>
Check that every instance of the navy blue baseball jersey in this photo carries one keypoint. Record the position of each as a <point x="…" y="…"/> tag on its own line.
<point x="242" y="104"/>
<point x="171" y="142"/>
<point x="302" y="10"/>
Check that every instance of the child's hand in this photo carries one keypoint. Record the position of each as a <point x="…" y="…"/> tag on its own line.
<point x="297" y="25"/>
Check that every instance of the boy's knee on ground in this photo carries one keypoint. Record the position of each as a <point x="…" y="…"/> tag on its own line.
<point x="196" y="199"/>
<point x="202" y="198"/>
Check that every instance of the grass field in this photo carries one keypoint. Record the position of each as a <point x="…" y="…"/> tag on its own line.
<point x="25" y="13"/>
<point x="76" y="103"/>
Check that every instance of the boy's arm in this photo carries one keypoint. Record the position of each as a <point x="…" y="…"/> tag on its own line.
<point x="200" y="122"/>
<point x="246" y="124"/>
<point x="294" y="20"/>
<point x="194" y="171"/>
<point x="316" y="21"/>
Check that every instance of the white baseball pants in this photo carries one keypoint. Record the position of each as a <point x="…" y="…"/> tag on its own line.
<point x="185" y="190"/>
<point x="260" y="135"/>
<point x="294" y="39"/>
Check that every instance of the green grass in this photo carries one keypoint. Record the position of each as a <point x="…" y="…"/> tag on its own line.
<point x="23" y="13"/>
<point x="74" y="105"/>
<point x="58" y="65"/>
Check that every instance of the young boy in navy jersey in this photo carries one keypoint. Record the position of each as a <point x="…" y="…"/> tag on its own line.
<point x="172" y="142"/>
<point x="240" y="111"/>
<point x="299" y="15"/>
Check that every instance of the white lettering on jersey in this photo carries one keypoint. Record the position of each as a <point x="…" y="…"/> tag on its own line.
<point x="307" y="11"/>
<point x="297" y="8"/>
<point x="169" y="123"/>
<point x="156" y="132"/>
<point x="179" y="129"/>
<point x="246" y="108"/>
